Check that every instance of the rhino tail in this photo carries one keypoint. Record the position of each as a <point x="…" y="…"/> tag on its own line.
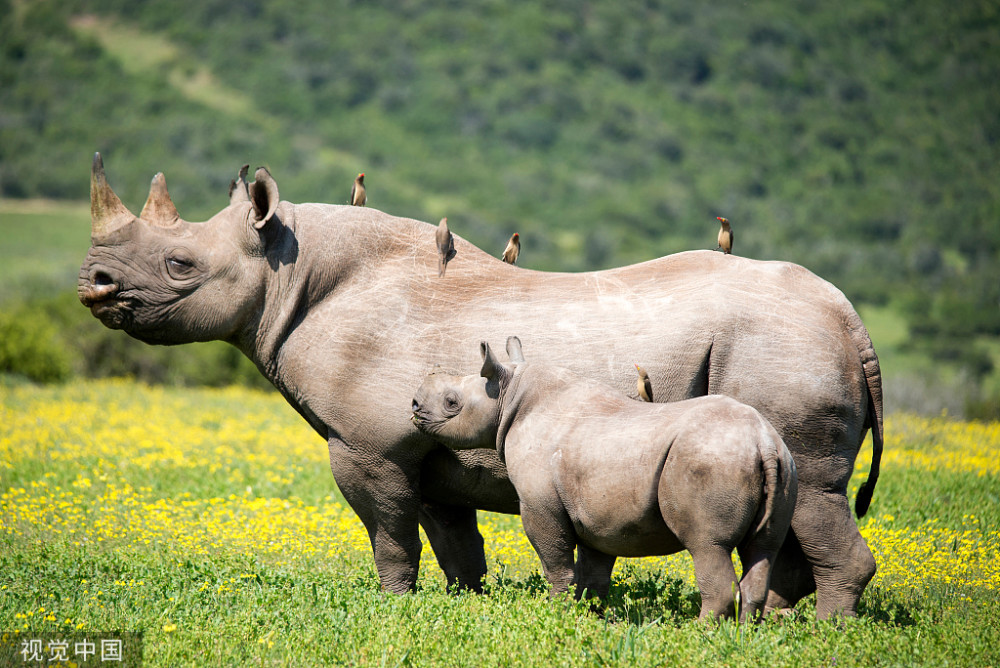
<point x="771" y="463"/>
<point x="873" y="385"/>
<point x="864" y="497"/>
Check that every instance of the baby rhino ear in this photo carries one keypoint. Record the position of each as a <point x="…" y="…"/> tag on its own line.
<point x="514" y="350"/>
<point x="493" y="370"/>
<point x="490" y="364"/>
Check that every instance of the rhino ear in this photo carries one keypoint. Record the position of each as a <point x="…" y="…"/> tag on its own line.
<point x="238" y="189"/>
<point x="514" y="350"/>
<point x="263" y="196"/>
<point x="490" y="363"/>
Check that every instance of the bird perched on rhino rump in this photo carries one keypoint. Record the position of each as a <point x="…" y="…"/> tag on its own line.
<point x="513" y="249"/>
<point x="725" y="236"/>
<point x="643" y="385"/>
<point x="445" y="245"/>
<point x="358" y="195"/>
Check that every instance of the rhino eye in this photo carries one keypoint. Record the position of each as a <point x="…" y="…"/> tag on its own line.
<point x="178" y="266"/>
<point x="451" y="401"/>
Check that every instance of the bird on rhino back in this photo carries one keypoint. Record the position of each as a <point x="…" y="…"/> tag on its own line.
<point x="328" y="299"/>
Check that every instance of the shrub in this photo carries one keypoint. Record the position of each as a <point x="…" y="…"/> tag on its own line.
<point x="30" y="346"/>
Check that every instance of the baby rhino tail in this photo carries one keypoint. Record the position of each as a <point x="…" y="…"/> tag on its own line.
<point x="780" y="481"/>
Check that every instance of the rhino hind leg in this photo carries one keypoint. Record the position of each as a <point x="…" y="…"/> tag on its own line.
<point x="716" y="577"/>
<point x="791" y="578"/>
<point x="841" y="563"/>
<point x="757" y="558"/>
<point x="593" y="572"/>
<point x="457" y="544"/>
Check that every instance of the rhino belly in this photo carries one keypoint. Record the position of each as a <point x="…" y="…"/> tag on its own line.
<point x="614" y="507"/>
<point x="622" y="536"/>
<point x="471" y="478"/>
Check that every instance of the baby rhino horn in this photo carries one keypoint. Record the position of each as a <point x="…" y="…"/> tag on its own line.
<point x="107" y="213"/>
<point x="159" y="209"/>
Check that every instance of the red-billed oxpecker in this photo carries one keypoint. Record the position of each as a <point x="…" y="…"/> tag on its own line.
<point x="725" y="236"/>
<point x="513" y="249"/>
<point x="358" y="195"/>
<point x="445" y="245"/>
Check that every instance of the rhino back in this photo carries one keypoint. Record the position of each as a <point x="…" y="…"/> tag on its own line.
<point x="588" y="449"/>
<point x="770" y="334"/>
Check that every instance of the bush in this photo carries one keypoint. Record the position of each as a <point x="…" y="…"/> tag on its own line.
<point x="30" y="346"/>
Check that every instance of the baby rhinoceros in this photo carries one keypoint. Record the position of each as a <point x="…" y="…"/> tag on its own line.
<point x="611" y="476"/>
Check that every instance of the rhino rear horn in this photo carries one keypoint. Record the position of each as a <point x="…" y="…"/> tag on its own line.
<point x="263" y="196"/>
<point x="159" y="208"/>
<point x="514" y="352"/>
<point x="107" y="213"/>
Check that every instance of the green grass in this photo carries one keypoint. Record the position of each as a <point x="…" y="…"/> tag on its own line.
<point x="208" y="520"/>
<point x="44" y="244"/>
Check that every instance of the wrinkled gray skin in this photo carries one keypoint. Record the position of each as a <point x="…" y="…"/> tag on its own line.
<point x="606" y="475"/>
<point x="341" y="308"/>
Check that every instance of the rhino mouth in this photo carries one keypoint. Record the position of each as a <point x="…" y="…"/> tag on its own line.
<point x="424" y="421"/>
<point x="112" y="313"/>
<point x="102" y="296"/>
<point x="420" y="421"/>
<point x="96" y="295"/>
<point x="101" y="293"/>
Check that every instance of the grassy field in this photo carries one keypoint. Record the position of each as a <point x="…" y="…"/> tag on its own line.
<point x="44" y="243"/>
<point x="208" y="520"/>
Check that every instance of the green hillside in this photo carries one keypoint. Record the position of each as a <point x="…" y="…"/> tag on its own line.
<point x="862" y="141"/>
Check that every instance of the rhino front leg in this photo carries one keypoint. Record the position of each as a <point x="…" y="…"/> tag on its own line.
<point x="552" y="536"/>
<point x="457" y="544"/>
<point x="385" y="497"/>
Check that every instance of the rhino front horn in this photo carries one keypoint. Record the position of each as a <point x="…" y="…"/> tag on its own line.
<point x="159" y="208"/>
<point x="107" y="213"/>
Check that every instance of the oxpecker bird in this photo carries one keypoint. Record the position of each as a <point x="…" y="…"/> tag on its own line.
<point x="513" y="249"/>
<point x="644" y="386"/>
<point x="446" y="245"/>
<point x="725" y="236"/>
<point x="358" y="196"/>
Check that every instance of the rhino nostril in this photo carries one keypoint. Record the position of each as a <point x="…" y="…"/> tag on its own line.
<point x="99" y="288"/>
<point x="416" y="406"/>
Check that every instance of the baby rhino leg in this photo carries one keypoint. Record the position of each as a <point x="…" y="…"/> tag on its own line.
<point x="757" y="562"/>
<point x="713" y="569"/>
<point x="552" y="536"/>
<point x="709" y="502"/>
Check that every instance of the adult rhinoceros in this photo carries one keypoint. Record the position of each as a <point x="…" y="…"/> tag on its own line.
<point x="341" y="308"/>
